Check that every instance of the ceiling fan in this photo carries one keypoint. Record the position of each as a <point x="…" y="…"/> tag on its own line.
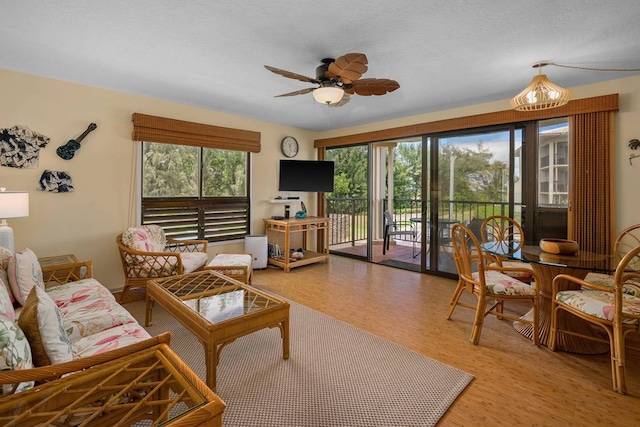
<point x="338" y="79"/>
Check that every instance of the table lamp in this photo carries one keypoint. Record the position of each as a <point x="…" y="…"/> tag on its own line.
<point x="13" y="204"/>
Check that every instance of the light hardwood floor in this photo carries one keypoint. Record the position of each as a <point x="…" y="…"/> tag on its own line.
<point x="516" y="383"/>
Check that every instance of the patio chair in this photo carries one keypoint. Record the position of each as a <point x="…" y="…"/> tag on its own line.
<point x="489" y="283"/>
<point x="391" y="229"/>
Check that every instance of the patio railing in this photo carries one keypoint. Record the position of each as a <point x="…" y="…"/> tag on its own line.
<point x="349" y="215"/>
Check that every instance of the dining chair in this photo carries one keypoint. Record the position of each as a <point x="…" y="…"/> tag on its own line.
<point x="508" y="232"/>
<point x="489" y="283"/>
<point x="391" y="229"/>
<point x="626" y="240"/>
<point x="608" y="307"/>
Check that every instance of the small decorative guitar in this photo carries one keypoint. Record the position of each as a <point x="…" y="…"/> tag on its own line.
<point x="68" y="150"/>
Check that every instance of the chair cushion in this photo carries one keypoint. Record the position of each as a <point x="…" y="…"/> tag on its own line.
<point x="518" y="274"/>
<point x="42" y="324"/>
<point x="109" y="339"/>
<point x="632" y="287"/>
<point x="600" y="304"/>
<point x="146" y="238"/>
<point x="500" y="284"/>
<point x="192" y="261"/>
<point x="80" y="301"/>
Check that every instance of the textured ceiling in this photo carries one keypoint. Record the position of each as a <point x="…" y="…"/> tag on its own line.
<point x="210" y="54"/>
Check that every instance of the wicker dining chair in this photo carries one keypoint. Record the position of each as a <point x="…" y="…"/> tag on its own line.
<point x="508" y="232"/>
<point x="608" y="307"/>
<point x="489" y="282"/>
<point x="626" y="240"/>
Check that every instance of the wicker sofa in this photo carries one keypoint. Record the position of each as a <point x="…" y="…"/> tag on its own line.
<point x="64" y="322"/>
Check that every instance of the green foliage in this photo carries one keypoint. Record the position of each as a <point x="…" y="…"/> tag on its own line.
<point x="350" y="171"/>
<point x="477" y="177"/>
<point x="169" y="170"/>
<point x="173" y="171"/>
<point x="223" y="173"/>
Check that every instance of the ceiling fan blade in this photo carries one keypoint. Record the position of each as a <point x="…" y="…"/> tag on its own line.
<point x="298" y="92"/>
<point x="291" y="75"/>
<point x="368" y="87"/>
<point x="349" y="67"/>
<point x="345" y="98"/>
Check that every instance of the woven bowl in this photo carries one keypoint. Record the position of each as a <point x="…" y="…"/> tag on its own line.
<point x="559" y="246"/>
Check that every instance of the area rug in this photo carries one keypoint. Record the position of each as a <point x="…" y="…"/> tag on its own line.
<point x="337" y="375"/>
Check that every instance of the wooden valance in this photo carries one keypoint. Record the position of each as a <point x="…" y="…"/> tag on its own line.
<point x="578" y="106"/>
<point x="171" y="131"/>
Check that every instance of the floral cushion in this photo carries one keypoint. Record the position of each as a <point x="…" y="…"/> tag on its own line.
<point x="5" y="254"/>
<point x="80" y="301"/>
<point x="109" y="339"/>
<point x="237" y="266"/>
<point x="41" y="322"/>
<point x="192" y="261"/>
<point x="82" y="290"/>
<point x="6" y="302"/>
<point x="146" y="238"/>
<point x="15" y="352"/>
<point x="632" y="287"/>
<point x="500" y="284"/>
<point x="600" y="304"/>
<point x="518" y="274"/>
<point x="4" y="277"/>
<point x="80" y="318"/>
<point x="24" y="273"/>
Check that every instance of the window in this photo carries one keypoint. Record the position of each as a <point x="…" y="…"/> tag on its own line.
<point x="195" y="192"/>
<point x="553" y="163"/>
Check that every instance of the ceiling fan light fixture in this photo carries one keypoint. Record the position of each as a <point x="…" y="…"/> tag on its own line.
<point x="541" y="94"/>
<point x="328" y="95"/>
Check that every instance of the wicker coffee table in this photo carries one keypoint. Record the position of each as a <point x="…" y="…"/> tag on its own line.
<point x="217" y="310"/>
<point x="149" y="387"/>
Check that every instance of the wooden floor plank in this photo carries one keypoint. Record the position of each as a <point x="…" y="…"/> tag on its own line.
<point x="516" y="383"/>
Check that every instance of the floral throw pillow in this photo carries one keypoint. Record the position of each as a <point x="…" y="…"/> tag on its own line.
<point x="24" y="273"/>
<point x="6" y="302"/>
<point x="41" y="321"/>
<point x="15" y="353"/>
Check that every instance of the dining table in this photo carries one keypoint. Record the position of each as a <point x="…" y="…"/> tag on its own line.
<point x="548" y="266"/>
<point x="444" y="231"/>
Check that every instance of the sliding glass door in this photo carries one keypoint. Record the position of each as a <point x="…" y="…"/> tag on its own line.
<point x="429" y="183"/>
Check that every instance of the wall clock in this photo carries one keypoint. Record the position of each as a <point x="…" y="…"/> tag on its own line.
<point x="289" y="146"/>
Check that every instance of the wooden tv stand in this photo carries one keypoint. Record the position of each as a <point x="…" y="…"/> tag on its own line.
<point x="292" y="234"/>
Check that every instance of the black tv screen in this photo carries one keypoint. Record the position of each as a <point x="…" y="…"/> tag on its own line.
<point x="306" y="175"/>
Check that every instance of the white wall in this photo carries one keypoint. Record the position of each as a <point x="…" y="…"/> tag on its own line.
<point x="86" y="221"/>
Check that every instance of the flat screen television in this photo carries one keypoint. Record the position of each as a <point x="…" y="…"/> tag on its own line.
<point x="306" y="175"/>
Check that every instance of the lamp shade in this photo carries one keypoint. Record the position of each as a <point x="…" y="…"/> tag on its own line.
<point x="14" y="204"/>
<point x="328" y="95"/>
<point x="541" y="94"/>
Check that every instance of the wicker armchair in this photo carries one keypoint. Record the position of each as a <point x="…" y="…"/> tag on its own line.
<point x="146" y="253"/>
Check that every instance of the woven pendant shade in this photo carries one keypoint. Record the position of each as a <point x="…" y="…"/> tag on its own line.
<point x="541" y="94"/>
